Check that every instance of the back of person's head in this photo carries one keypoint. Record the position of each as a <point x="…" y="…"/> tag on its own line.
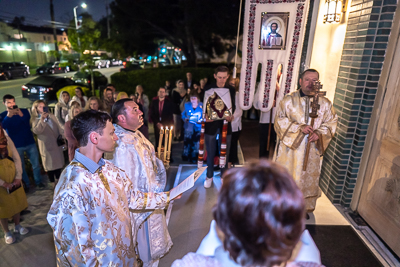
<point x="119" y="108"/>
<point x="74" y="103"/>
<point x="261" y="211"/>
<point x="8" y="97"/>
<point x="86" y="122"/>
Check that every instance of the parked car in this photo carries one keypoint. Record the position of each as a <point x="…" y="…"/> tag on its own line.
<point x="45" y="87"/>
<point x="51" y="68"/>
<point x="84" y="78"/>
<point x="101" y="63"/>
<point x="9" y="70"/>
<point x="116" y="62"/>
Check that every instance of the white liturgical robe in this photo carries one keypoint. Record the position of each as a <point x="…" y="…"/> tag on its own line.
<point x="292" y="116"/>
<point x="135" y="154"/>
<point x="90" y="215"/>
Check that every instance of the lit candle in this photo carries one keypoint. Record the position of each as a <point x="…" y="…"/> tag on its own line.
<point x="160" y="142"/>
<point x="165" y="144"/>
<point x="170" y="139"/>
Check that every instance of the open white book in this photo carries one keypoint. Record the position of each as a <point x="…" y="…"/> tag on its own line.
<point x="186" y="184"/>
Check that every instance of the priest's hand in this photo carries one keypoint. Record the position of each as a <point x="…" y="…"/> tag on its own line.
<point x="229" y="119"/>
<point x="314" y="137"/>
<point x="307" y="129"/>
<point x="159" y="125"/>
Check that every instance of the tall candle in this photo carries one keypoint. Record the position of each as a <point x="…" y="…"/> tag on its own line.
<point x="170" y="139"/>
<point x="160" y="142"/>
<point x="165" y="144"/>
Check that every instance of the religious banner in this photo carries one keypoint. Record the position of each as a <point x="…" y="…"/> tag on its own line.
<point x="273" y="36"/>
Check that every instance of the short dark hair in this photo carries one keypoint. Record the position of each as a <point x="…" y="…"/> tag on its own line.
<point x="261" y="211"/>
<point x="162" y="87"/>
<point x="193" y="93"/>
<point x="119" y="108"/>
<point x="221" y="69"/>
<point x="8" y="96"/>
<point x="276" y="24"/>
<point x="108" y="89"/>
<point x="110" y="84"/>
<point x="86" y="122"/>
<point x="308" y="70"/>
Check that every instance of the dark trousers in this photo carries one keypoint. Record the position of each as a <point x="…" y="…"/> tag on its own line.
<point x="54" y="174"/>
<point x="263" y="129"/>
<point x="211" y="146"/>
<point x="233" y="153"/>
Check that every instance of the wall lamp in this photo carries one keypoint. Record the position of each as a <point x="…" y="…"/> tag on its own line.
<point x="333" y="10"/>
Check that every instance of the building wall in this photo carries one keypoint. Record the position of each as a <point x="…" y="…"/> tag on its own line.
<point x="367" y="34"/>
<point x="327" y="49"/>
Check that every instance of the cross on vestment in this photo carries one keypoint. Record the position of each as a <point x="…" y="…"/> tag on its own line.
<point x="314" y="114"/>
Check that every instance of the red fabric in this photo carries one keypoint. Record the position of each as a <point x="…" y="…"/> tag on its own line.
<point x="160" y="107"/>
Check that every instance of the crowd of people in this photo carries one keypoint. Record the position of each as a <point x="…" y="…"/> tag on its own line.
<point x="112" y="161"/>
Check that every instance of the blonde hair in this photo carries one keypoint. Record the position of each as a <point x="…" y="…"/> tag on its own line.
<point x="122" y="95"/>
<point x="87" y="106"/>
<point x="34" y="111"/>
<point x="72" y="110"/>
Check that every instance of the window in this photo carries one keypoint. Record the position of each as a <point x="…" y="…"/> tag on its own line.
<point x="65" y="39"/>
<point x="44" y="37"/>
<point x="18" y="36"/>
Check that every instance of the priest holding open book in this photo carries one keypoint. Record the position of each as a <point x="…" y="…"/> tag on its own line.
<point x="137" y="156"/>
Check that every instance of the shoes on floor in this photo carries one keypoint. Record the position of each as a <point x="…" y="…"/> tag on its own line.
<point x="9" y="238"/>
<point x="21" y="230"/>
<point x="208" y="182"/>
<point x="41" y="186"/>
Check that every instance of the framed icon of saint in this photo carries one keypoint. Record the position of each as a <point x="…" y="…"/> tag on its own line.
<point x="273" y="30"/>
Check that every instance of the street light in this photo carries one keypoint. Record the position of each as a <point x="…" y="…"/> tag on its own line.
<point x="83" y="5"/>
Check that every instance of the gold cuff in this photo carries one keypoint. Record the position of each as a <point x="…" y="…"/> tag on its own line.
<point x="168" y="200"/>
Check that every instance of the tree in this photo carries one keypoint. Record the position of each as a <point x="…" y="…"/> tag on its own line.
<point x="87" y="38"/>
<point x="188" y="24"/>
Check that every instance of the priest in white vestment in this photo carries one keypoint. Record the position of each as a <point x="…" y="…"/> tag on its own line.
<point x="292" y="126"/>
<point x="136" y="155"/>
<point x="90" y="213"/>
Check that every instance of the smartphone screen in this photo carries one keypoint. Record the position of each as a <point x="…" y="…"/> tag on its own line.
<point x="46" y="109"/>
<point x="15" y="107"/>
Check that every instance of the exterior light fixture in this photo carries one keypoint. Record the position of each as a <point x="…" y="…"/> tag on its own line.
<point x="8" y="47"/>
<point x="46" y="48"/>
<point x="20" y="48"/>
<point x="83" y="5"/>
<point x="333" y="10"/>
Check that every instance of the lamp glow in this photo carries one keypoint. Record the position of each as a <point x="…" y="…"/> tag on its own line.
<point x="83" y="5"/>
<point x="20" y="48"/>
<point x="45" y="48"/>
<point x="8" y="47"/>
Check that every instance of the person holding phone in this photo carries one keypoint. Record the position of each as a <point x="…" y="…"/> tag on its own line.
<point x="16" y="123"/>
<point x="47" y="129"/>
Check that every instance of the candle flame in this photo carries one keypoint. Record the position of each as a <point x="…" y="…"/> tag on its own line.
<point x="172" y="127"/>
<point x="167" y="128"/>
<point x="162" y="127"/>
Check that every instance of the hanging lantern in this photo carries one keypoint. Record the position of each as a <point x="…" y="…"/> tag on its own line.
<point x="332" y="11"/>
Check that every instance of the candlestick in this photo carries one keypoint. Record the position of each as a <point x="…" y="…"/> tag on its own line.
<point x="165" y="144"/>
<point x="170" y="139"/>
<point x="160" y="142"/>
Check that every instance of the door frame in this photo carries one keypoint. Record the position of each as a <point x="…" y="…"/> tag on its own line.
<point x="392" y="48"/>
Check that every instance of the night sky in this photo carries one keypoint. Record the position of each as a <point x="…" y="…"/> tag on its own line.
<point x="37" y="12"/>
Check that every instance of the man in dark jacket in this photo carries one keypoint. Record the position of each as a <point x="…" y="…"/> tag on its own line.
<point x="161" y="113"/>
